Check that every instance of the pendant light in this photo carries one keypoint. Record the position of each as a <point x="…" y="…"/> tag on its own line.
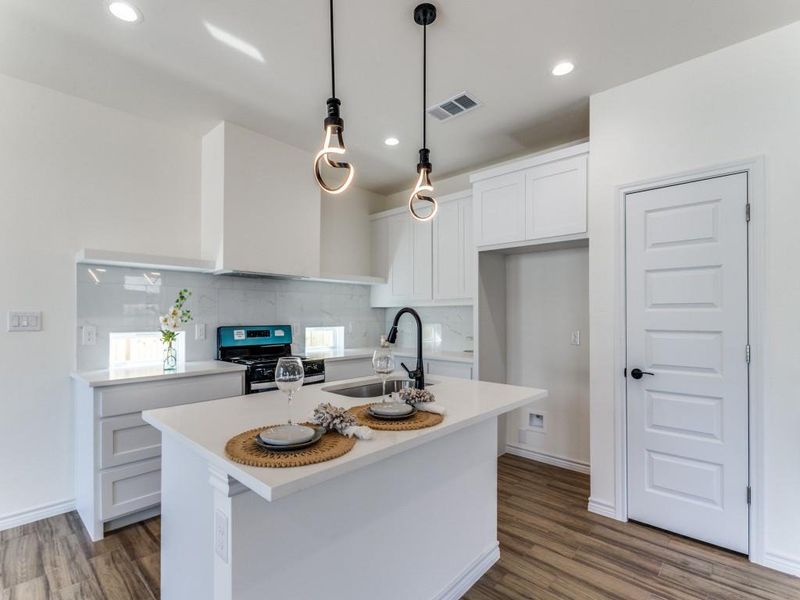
<point x="334" y="126"/>
<point x="422" y="205"/>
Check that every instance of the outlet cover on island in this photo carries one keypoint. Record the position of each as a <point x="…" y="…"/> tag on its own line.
<point x="575" y="339"/>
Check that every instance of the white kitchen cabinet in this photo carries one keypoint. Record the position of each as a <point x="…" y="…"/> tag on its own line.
<point x="500" y="209"/>
<point x="117" y="454"/>
<point x="425" y="264"/>
<point x="453" y="249"/>
<point x="555" y="198"/>
<point x="533" y="199"/>
<point x="449" y="369"/>
<point x="348" y="368"/>
<point x="406" y="251"/>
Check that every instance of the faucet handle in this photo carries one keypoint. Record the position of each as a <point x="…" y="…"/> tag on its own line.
<point x="402" y="364"/>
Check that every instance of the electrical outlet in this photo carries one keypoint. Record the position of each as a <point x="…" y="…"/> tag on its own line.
<point x="221" y="534"/>
<point x="24" y="320"/>
<point x="536" y="421"/>
<point x="199" y="331"/>
<point x="88" y="335"/>
<point x="575" y="338"/>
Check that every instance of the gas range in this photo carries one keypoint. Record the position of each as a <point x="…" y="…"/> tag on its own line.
<point x="259" y="347"/>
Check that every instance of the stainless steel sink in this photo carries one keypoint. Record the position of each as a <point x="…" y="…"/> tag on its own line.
<point x="371" y="390"/>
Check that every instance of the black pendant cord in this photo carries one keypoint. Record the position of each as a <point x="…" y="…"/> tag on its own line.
<point x="424" y="84"/>
<point x="333" y="63"/>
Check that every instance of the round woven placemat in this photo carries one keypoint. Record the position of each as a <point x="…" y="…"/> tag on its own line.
<point x="243" y="449"/>
<point x="420" y="420"/>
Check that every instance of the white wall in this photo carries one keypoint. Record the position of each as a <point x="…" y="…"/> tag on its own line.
<point x="734" y="104"/>
<point x="74" y="174"/>
<point x="345" y="231"/>
<point x="547" y="298"/>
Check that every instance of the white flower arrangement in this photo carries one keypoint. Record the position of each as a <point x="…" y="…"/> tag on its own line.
<point x="176" y="317"/>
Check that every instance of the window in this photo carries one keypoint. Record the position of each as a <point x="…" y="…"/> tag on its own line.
<point x="324" y="338"/>
<point x="140" y="349"/>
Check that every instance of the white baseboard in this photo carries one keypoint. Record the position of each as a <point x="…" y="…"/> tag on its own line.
<point x="604" y="509"/>
<point x="459" y="586"/>
<point x="38" y="513"/>
<point x="781" y="562"/>
<point x="549" y="459"/>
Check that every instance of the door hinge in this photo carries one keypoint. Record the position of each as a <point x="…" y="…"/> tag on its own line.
<point x="747" y="353"/>
<point x="749" y="495"/>
<point x="747" y="212"/>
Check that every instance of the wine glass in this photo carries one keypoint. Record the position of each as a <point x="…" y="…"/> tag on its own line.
<point x="289" y="377"/>
<point x="383" y="365"/>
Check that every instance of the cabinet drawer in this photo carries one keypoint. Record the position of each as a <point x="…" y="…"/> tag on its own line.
<point x="127" y="439"/>
<point x="130" y="488"/>
<point x="136" y="397"/>
<point x="450" y="369"/>
<point x="348" y="369"/>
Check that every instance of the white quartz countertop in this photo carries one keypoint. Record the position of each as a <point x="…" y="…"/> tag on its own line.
<point x="206" y="427"/>
<point x="358" y="353"/>
<point x="106" y="377"/>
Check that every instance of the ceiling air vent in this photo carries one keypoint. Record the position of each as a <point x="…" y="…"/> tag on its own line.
<point x="452" y="107"/>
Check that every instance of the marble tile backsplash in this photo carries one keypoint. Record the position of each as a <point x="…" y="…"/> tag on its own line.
<point x="446" y="328"/>
<point x="115" y="299"/>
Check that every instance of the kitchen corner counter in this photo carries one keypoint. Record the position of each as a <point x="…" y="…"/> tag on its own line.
<point x="108" y="377"/>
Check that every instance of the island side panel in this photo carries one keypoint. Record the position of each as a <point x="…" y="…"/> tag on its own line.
<point x="187" y="537"/>
<point x="421" y="524"/>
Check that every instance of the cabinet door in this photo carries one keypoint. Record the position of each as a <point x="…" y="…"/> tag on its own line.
<point x="448" y="252"/>
<point x="500" y="209"/>
<point x="400" y="257"/>
<point x="452" y="250"/>
<point x="421" y="259"/>
<point x="379" y="246"/>
<point x="556" y="198"/>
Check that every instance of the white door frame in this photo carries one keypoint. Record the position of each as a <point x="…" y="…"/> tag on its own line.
<point x="757" y="302"/>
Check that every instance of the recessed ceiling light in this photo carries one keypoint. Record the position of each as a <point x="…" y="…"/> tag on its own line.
<point x="391" y="141"/>
<point x="125" y="12"/>
<point x="563" y="68"/>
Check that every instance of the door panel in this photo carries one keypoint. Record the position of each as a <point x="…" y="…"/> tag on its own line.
<point x="686" y="255"/>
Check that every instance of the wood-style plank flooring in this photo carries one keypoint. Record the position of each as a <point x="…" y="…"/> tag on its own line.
<point x="551" y="548"/>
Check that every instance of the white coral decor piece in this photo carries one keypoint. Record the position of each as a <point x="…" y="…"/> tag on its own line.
<point x="336" y="418"/>
<point x="415" y="396"/>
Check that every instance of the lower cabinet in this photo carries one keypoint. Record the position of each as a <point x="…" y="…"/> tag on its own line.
<point x="446" y="368"/>
<point x="350" y="368"/>
<point x="118" y="456"/>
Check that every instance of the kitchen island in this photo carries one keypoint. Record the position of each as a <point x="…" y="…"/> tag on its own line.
<point x="404" y="515"/>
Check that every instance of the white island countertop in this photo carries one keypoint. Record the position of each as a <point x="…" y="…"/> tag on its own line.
<point x="106" y="377"/>
<point x="206" y="427"/>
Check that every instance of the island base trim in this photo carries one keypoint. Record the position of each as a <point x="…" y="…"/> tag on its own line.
<point x="471" y="574"/>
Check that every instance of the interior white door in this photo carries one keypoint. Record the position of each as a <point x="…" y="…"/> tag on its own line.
<point x="687" y="416"/>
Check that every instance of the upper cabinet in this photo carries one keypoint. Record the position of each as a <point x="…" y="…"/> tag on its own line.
<point x="533" y="199"/>
<point x="260" y="205"/>
<point x="424" y="263"/>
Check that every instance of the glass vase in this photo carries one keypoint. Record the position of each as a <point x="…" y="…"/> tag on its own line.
<point x="170" y="357"/>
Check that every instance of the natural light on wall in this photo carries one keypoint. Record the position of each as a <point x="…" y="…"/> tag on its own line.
<point x="140" y="349"/>
<point x="319" y="339"/>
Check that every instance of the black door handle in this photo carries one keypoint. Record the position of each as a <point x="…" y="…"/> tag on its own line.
<point x="637" y="373"/>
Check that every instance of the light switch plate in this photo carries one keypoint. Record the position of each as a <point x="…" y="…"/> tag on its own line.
<point x="25" y="320"/>
<point x="199" y="331"/>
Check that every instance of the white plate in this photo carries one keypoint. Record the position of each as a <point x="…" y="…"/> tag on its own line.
<point x="284" y="435"/>
<point x="391" y="409"/>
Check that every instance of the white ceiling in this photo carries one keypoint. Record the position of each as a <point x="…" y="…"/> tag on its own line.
<point x="169" y="68"/>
